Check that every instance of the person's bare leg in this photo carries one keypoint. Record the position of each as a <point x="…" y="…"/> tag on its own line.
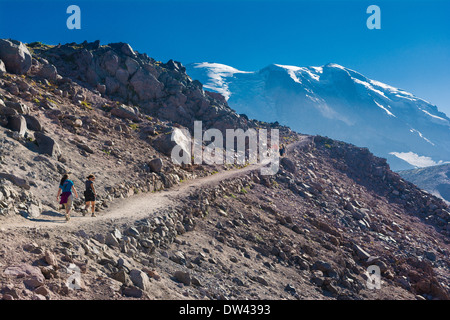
<point x="69" y="207"/>
<point x="66" y="205"/>
<point x="93" y="208"/>
<point x="86" y="208"/>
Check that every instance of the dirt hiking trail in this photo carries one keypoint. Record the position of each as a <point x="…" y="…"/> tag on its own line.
<point x="135" y="207"/>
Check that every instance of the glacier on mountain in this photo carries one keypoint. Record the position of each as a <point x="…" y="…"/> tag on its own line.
<point x="337" y="102"/>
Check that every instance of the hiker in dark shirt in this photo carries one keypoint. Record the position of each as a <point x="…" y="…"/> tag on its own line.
<point x="89" y="195"/>
<point x="282" y="150"/>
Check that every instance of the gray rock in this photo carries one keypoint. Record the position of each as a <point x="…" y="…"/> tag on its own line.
<point x="156" y="165"/>
<point x="47" y="145"/>
<point x="117" y="234"/>
<point x="33" y="123"/>
<point x="33" y="283"/>
<point x="430" y="255"/>
<point x="111" y="240"/>
<point x="25" y="270"/>
<point x="101" y="88"/>
<point x="19" y="107"/>
<point x="111" y="62"/>
<point x="49" y="72"/>
<point x="112" y="85"/>
<point x="132" y="65"/>
<point x="290" y="289"/>
<point x="133" y="292"/>
<point x="127" y="50"/>
<point x="363" y="255"/>
<point x="122" y="76"/>
<point x="124" y="112"/>
<point x="132" y="232"/>
<point x="14" y="179"/>
<point x="140" y="279"/>
<point x="196" y="282"/>
<point x="15" y="55"/>
<point x="17" y="123"/>
<point x="183" y="277"/>
<point x="34" y="211"/>
<point x="317" y="278"/>
<point x="261" y="280"/>
<point x="288" y="164"/>
<point x="145" y="84"/>
<point x="6" y="111"/>
<point x="165" y="143"/>
<point x="121" y="276"/>
<point x="178" y="257"/>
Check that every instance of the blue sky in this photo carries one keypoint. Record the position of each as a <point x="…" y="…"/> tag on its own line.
<point x="411" y="51"/>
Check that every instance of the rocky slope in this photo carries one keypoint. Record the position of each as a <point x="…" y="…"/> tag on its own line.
<point x="435" y="180"/>
<point x="309" y="232"/>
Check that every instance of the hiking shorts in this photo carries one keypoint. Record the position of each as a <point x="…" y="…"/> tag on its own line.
<point x="89" y="196"/>
<point x="67" y="199"/>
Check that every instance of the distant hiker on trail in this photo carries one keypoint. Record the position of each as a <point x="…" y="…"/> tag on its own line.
<point x="282" y="150"/>
<point x="89" y="195"/>
<point x="66" y="187"/>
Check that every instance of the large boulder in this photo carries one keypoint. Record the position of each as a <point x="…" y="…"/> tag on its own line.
<point x="110" y="62"/>
<point x="132" y="65"/>
<point x="7" y="111"/>
<point x="125" y="112"/>
<point x="19" y="107"/>
<point x="122" y="76"/>
<point x="17" y="123"/>
<point x="147" y="87"/>
<point x="165" y="143"/>
<point x="15" y="179"/>
<point x="48" y="71"/>
<point x="33" y="123"/>
<point x="24" y="270"/>
<point x="289" y="165"/>
<point x="127" y="50"/>
<point x="112" y="85"/>
<point x="183" y="277"/>
<point x="47" y="145"/>
<point x="140" y="279"/>
<point x="156" y="165"/>
<point x="15" y="55"/>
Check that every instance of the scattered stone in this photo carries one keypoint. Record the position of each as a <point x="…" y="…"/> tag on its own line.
<point x="156" y="165"/>
<point x="140" y="279"/>
<point x="51" y="259"/>
<point x="183" y="277"/>
<point x="111" y="240"/>
<point x="132" y="292"/>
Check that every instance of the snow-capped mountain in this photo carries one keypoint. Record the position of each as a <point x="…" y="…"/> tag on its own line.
<point x="337" y="102"/>
<point x="435" y="180"/>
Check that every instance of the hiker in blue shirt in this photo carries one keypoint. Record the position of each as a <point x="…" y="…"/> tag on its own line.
<point x="66" y="187"/>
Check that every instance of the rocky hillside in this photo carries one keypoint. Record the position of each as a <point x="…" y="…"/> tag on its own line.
<point x="57" y="119"/>
<point x="191" y="232"/>
<point x="162" y="90"/>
